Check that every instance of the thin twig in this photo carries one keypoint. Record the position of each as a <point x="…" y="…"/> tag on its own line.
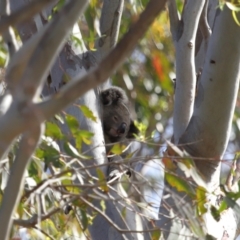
<point x="111" y="222"/>
<point x="28" y="223"/>
<point x="43" y="232"/>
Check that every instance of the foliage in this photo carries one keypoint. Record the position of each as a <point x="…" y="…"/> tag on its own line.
<point x="55" y="190"/>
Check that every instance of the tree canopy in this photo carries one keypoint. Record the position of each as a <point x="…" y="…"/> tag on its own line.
<point x="179" y="63"/>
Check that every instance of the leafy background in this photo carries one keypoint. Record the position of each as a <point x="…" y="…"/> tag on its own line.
<point x="147" y="78"/>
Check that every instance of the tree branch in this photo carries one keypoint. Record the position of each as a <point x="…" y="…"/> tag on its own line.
<point x="203" y="35"/>
<point x="79" y="85"/>
<point x="27" y="146"/>
<point x="49" y="45"/>
<point x="23" y="14"/>
<point x="109" y="26"/>
<point x="174" y="18"/>
<point x="185" y="67"/>
<point x="210" y="126"/>
<point x="31" y="222"/>
<point x="8" y="34"/>
<point x="204" y="26"/>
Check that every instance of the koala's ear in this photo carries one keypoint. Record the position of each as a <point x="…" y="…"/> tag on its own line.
<point x="106" y="98"/>
<point x="133" y="130"/>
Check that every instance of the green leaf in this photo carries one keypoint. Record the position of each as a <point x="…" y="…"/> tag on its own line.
<point x="215" y="213"/>
<point x="85" y="133"/>
<point x="66" y="181"/>
<point x="232" y="195"/>
<point x="87" y="141"/>
<point x="56" y="9"/>
<point x="39" y="153"/>
<point x="233" y="204"/>
<point x="201" y="200"/>
<point x="233" y="7"/>
<point x="58" y="6"/>
<point x="89" y="13"/>
<point x="153" y="133"/>
<point x="118" y="148"/>
<point x="72" y="123"/>
<point x="101" y="175"/>
<point x="20" y="209"/>
<point x="90" y="16"/>
<point x="223" y="206"/>
<point x="50" y="155"/>
<point x="82" y="136"/>
<point x="53" y="131"/>
<point x="102" y="180"/>
<point x="3" y="55"/>
<point x="156" y="234"/>
<point x="77" y="43"/>
<point x="103" y="205"/>
<point x="124" y="212"/>
<point x="130" y="154"/>
<point x="88" y="113"/>
<point x="80" y="204"/>
<point x="144" y="3"/>
<point x="180" y="184"/>
<point x="179" y="5"/>
<point x="33" y="169"/>
<point x="188" y="162"/>
<point x="84" y="219"/>
<point x="59" y="118"/>
<point x="142" y="129"/>
<point x="235" y="18"/>
<point x="71" y="150"/>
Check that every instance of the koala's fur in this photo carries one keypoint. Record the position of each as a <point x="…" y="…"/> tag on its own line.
<point x="117" y="122"/>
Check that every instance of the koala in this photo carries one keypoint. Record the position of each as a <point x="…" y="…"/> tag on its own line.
<point x="117" y="122"/>
<point x="117" y="125"/>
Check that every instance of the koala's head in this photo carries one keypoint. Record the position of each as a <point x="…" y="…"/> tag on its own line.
<point x="117" y="122"/>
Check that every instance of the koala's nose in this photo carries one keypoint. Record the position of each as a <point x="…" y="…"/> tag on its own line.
<point x="122" y="128"/>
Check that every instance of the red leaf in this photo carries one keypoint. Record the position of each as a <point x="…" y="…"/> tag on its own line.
<point x="156" y="62"/>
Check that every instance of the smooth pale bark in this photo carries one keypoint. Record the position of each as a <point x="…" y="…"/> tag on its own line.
<point x="208" y="132"/>
<point x="11" y="197"/>
<point x="109" y="26"/>
<point x="185" y="66"/>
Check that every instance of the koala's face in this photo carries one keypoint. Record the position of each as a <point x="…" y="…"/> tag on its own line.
<point x="115" y="114"/>
<point x="116" y="122"/>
